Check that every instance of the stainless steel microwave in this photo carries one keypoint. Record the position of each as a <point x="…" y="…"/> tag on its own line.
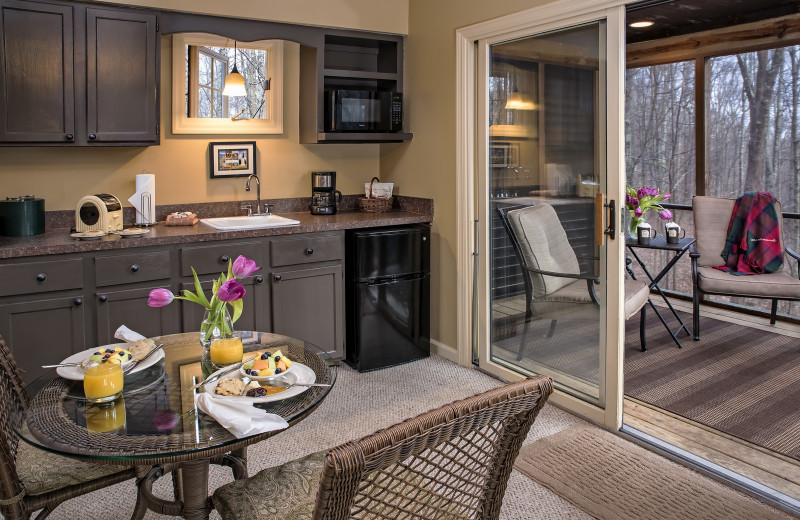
<point x="363" y="111"/>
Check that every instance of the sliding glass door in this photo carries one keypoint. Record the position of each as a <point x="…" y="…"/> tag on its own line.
<point x="548" y="179"/>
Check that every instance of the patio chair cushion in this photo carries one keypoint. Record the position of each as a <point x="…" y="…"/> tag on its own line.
<point x="562" y="303"/>
<point x="711" y="219"/>
<point x="40" y="471"/>
<point x="636" y="295"/>
<point x="283" y="492"/>
<point x="774" y="285"/>
<point x="539" y="227"/>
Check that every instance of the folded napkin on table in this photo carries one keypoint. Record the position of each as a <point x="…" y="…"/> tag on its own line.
<point x="240" y="418"/>
<point x="127" y="335"/>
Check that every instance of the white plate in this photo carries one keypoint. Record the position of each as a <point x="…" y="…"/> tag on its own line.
<point x="93" y="236"/>
<point x="131" y="232"/>
<point x="300" y="374"/>
<point x="76" y="374"/>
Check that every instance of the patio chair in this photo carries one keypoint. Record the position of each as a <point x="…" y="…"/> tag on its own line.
<point x="556" y="282"/>
<point x="711" y="218"/>
<point x="30" y="478"/>
<point x="452" y="462"/>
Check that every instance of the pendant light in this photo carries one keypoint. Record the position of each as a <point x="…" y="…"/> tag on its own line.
<point x="234" y="82"/>
<point x="517" y="100"/>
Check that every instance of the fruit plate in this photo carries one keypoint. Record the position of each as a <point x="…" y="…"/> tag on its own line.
<point x="76" y="374"/>
<point x="262" y="379"/>
<point x="300" y="373"/>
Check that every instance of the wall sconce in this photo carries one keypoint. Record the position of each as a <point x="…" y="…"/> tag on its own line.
<point x="234" y="82"/>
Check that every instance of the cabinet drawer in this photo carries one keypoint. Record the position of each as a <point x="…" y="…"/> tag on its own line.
<point x="304" y="250"/>
<point x="139" y="267"/>
<point x="214" y="259"/>
<point x="37" y="277"/>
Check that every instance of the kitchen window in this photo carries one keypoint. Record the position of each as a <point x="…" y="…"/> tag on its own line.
<point x="200" y="64"/>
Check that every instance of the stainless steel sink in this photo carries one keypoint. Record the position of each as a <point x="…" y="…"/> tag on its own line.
<point x="251" y="222"/>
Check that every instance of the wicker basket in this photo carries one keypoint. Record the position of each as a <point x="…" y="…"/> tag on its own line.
<point x="373" y="205"/>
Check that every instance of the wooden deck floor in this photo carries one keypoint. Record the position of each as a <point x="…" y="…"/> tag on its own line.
<point x="768" y="468"/>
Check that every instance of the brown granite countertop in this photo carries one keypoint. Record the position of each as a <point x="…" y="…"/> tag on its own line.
<point x="58" y="241"/>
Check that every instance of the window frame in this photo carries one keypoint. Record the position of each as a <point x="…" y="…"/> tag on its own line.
<point x="183" y="124"/>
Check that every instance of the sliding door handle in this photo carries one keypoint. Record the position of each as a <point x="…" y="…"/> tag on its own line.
<point x="601" y="229"/>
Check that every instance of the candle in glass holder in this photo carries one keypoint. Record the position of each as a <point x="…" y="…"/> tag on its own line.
<point x="103" y="382"/>
<point x="226" y="351"/>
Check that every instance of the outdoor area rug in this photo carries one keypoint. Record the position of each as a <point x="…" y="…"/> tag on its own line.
<point x="740" y="380"/>
<point x="611" y="478"/>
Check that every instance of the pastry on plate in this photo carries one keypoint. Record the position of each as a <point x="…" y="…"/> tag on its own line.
<point x="230" y="386"/>
<point x="141" y="348"/>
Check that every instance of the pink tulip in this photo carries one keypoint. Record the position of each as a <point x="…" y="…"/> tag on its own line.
<point x="665" y="214"/>
<point x="160" y="298"/>
<point x="243" y="267"/>
<point x="231" y="291"/>
<point x="639" y="212"/>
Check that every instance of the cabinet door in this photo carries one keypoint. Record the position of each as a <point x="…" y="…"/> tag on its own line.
<point x="43" y="332"/>
<point x="121" y="89"/>
<point x="129" y="308"/>
<point x="253" y="316"/>
<point x="36" y="72"/>
<point x="307" y="304"/>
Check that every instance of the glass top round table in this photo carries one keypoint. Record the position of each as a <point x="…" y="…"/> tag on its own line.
<point x="155" y="421"/>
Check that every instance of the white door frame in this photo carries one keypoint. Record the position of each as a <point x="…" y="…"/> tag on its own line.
<point x="556" y="14"/>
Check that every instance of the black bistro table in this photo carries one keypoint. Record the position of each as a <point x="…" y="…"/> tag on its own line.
<point x="155" y="427"/>
<point x="679" y="249"/>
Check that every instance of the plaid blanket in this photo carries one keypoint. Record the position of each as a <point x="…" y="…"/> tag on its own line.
<point x="753" y="245"/>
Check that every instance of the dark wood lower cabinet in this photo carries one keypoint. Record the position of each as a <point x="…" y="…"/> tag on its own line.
<point x="129" y="307"/>
<point x="307" y="304"/>
<point x="41" y="332"/>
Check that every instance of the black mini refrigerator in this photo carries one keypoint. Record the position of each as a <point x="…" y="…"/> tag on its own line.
<point x="387" y="280"/>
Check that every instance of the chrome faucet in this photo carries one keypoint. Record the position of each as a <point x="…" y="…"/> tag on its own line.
<point x="258" y="194"/>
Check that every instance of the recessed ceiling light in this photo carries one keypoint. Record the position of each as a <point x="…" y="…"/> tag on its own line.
<point x="644" y="23"/>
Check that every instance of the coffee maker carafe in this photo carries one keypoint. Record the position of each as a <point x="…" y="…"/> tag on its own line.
<point x="324" y="193"/>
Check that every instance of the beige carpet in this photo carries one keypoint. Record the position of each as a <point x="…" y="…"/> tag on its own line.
<point x="611" y="478"/>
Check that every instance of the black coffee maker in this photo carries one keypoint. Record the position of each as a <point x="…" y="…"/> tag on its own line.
<point x="324" y="193"/>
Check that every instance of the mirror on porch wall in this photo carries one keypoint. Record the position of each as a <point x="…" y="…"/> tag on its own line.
<point x="545" y="166"/>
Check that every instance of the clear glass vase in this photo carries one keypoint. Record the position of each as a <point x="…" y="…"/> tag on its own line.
<point x="217" y="324"/>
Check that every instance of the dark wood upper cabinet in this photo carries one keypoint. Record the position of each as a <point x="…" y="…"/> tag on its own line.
<point x="36" y="72"/>
<point x="121" y="76"/>
<point x="74" y="75"/>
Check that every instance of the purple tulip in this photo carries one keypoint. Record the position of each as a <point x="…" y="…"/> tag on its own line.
<point x="667" y="195"/>
<point x="665" y="214"/>
<point x="231" y="291"/>
<point x="638" y="212"/>
<point x="243" y="267"/>
<point x="166" y="419"/>
<point x="160" y="298"/>
<point x="634" y="202"/>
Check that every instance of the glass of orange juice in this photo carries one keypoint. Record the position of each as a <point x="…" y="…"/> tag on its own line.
<point x="103" y="382"/>
<point x="226" y="351"/>
<point x="108" y="417"/>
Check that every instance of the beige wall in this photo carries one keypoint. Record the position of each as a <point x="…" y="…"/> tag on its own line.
<point x="62" y="176"/>
<point x="426" y="166"/>
<point x="370" y="15"/>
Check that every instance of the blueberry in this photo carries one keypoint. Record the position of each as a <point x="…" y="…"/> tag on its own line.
<point x="277" y="358"/>
<point x="265" y="355"/>
<point x="106" y="356"/>
<point x="110" y="350"/>
<point x="121" y="353"/>
<point x="278" y="370"/>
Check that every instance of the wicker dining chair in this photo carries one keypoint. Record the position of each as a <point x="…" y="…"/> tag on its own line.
<point x="452" y="462"/>
<point x="31" y="479"/>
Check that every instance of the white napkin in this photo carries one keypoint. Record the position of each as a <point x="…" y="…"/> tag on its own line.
<point x="240" y="418"/>
<point x="145" y="183"/>
<point x="127" y="335"/>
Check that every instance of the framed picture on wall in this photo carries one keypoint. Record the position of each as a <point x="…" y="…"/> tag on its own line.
<point x="232" y="159"/>
<point x="504" y="155"/>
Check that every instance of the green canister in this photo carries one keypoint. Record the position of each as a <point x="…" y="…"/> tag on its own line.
<point x="21" y="216"/>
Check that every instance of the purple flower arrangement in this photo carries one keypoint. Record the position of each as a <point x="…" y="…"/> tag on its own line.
<point x="639" y="202"/>
<point x="226" y="290"/>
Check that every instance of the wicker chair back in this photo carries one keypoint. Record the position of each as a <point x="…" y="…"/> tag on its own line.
<point x="452" y="462"/>
<point x="13" y="400"/>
